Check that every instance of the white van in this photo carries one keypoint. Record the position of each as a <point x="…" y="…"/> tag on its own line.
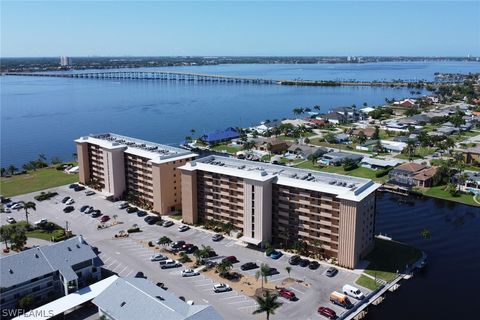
<point x="353" y="292"/>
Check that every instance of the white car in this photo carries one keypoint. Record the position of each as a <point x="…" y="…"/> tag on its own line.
<point x="11" y="220"/>
<point x="41" y="221"/>
<point x="17" y="206"/>
<point x="123" y="205"/>
<point x="189" y="273"/>
<point x="70" y="201"/>
<point x="183" y="228"/>
<point x="158" y="257"/>
<point x="221" y="287"/>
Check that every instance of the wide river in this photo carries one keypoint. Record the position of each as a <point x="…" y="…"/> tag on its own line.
<point x="45" y="115"/>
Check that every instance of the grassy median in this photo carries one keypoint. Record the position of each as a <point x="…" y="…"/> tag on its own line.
<point x="35" y="181"/>
<point x="440" y="193"/>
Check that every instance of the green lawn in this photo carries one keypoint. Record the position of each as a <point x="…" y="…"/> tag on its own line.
<point x="346" y="147"/>
<point x="358" y="172"/>
<point x="42" y="234"/>
<point x="35" y="181"/>
<point x="439" y="192"/>
<point x="389" y="256"/>
<point x="366" y="282"/>
<point x="420" y="152"/>
<point x="225" y="147"/>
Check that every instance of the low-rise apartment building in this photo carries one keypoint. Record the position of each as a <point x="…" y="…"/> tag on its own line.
<point x="47" y="272"/>
<point x="330" y="212"/>
<point x="119" y="166"/>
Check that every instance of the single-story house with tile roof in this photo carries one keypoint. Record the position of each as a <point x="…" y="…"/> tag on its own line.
<point x="413" y="174"/>
<point x="368" y="132"/>
<point x="471" y="155"/>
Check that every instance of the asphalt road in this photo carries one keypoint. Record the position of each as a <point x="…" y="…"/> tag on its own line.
<point x="127" y="256"/>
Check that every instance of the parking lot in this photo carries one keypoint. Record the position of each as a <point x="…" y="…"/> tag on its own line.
<point x="127" y="256"/>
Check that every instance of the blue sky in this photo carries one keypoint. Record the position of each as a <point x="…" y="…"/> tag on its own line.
<point x="159" y="28"/>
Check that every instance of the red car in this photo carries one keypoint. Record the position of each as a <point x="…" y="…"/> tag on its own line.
<point x="287" y="294"/>
<point x="232" y="259"/>
<point x="327" y="312"/>
<point x="104" y="219"/>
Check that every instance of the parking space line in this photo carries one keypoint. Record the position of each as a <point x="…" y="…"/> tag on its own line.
<point x="237" y="302"/>
<point x="246" y="307"/>
<point x="123" y="270"/>
<point x="119" y="265"/>
<point x="129" y="273"/>
<point x="299" y="291"/>
<point x="203" y="285"/>
<point x="230" y="297"/>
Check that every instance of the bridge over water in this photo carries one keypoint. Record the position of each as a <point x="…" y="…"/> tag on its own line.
<point x="148" y="75"/>
<point x="198" y="77"/>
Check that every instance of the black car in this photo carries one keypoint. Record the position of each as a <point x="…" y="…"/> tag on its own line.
<point x="89" y="193"/>
<point x="294" y="260"/>
<point x="177" y="244"/>
<point x="131" y="209"/>
<point x="248" y="266"/>
<point x="191" y="249"/>
<point x="303" y="263"/>
<point x="96" y="214"/>
<point x="313" y="265"/>
<point x="82" y="209"/>
<point x="140" y="275"/>
<point x="272" y="271"/>
<point x="68" y="209"/>
<point x="73" y="186"/>
<point x="141" y="213"/>
<point x="153" y="220"/>
<point x="79" y="188"/>
<point x="64" y="200"/>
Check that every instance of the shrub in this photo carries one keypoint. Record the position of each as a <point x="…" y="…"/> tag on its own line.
<point x="150" y="243"/>
<point x="269" y="251"/>
<point x="45" y="196"/>
<point x="382" y="173"/>
<point x="184" y="258"/>
<point x="159" y="223"/>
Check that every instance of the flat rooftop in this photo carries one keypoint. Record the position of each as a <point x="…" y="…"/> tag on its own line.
<point x="157" y="153"/>
<point x="344" y="187"/>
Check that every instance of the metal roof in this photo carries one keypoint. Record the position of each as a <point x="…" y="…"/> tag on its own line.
<point x="128" y="298"/>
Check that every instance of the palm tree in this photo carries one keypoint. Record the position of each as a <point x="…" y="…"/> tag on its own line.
<point x="2" y="171"/>
<point x="262" y="273"/>
<point x="224" y="267"/>
<point x="12" y="169"/>
<point x="410" y="149"/>
<point x="74" y="156"/>
<point x="115" y="217"/>
<point x="26" y="206"/>
<point x="288" y="269"/>
<point x="267" y="304"/>
<point x="317" y="107"/>
<point x="6" y="234"/>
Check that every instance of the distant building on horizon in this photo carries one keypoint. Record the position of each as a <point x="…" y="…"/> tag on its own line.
<point x="65" y="61"/>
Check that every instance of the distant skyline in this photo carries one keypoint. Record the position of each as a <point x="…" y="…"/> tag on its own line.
<point x="227" y="28"/>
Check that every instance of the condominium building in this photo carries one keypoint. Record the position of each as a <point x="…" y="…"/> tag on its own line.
<point x="119" y="166"/>
<point x="332" y="213"/>
<point x="47" y="272"/>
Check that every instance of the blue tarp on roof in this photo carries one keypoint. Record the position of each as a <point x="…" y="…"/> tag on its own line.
<point x="220" y="135"/>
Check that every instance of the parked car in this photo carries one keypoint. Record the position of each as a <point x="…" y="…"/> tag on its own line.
<point x="170" y="264"/>
<point x="131" y="210"/>
<point x="11" y="220"/>
<point x="272" y="271"/>
<point x="177" y="244"/>
<point x="158" y="257"/>
<point x="79" y="188"/>
<point x="167" y="224"/>
<point x="340" y="300"/>
<point x="82" y="209"/>
<point x="303" y="263"/>
<point x="327" y="312"/>
<point x="294" y="260"/>
<point x="123" y="205"/>
<point x="140" y="275"/>
<point x="232" y="259"/>
<point x="287" y="294"/>
<point x="17" y="205"/>
<point x="185" y="247"/>
<point x="276" y="255"/>
<point x="89" y="193"/>
<point x="313" y="265"/>
<point x="68" y="209"/>
<point x="70" y="201"/>
<point x="105" y="219"/>
<point x="221" y="287"/>
<point x="248" y="266"/>
<point x="64" y="200"/>
<point x="189" y="273"/>
<point x="89" y="210"/>
<point x="141" y="213"/>
<point x="331" y="272"/>
<point x="7" y="210"/>
<point x="73" y="186"/>
<point x="191" y="249"/>
<point x="183" y="228"/>
<point x="217" y="237"/>
<point x="353" y="292"/>
<point x="41" y="221"/>
<point x="152" y="220"/>
<point x="96" y="214"/>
